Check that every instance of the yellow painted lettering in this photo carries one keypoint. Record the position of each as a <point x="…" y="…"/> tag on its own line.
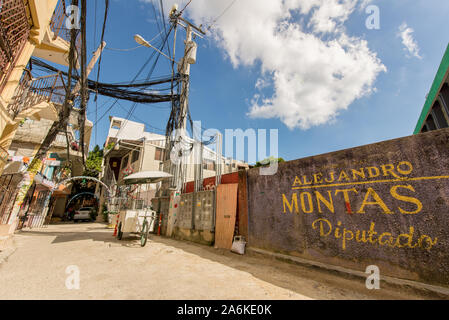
<point x="388" y="169"/>
<point x="303" y="204"/>
<point x="373" y="172"/>
<point x="324" y="225"/>
<point x="297" y="182"/>
<point x="360" y="173"/>
<point x="290" y="205"/>
<point x="377" y="201"/>
<point x="332" y="175"/>
<point x="415" y="201"/>
<point x="318" y="178"/>
<point x="402" y="171"/>
<point x="328" y="203"/>
<point x="343" y="175"/>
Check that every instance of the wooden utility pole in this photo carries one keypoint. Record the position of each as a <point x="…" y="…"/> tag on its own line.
<point x="82" y="85"/>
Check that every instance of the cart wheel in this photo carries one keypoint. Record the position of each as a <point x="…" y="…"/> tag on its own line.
<point x="119" y="231"/>
<point x="144" y="234"/>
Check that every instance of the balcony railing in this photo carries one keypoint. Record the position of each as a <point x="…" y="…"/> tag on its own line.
<point x="3" y="155"/>
<point x="57" y="23"/>
<point x="14" y="31"/>
<point x="31" y="92"/>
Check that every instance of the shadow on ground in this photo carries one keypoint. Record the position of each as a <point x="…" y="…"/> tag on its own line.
<point x="308" y="281"/>
<point x="95" y="233"/>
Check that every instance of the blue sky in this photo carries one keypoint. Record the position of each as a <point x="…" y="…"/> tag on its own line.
<point x="222" y="91"/>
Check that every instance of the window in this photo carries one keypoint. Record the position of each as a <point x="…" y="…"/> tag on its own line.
<point x="439" y="115"/>
<point x="208" y="164"/>
<point x="159" y="154"/>
<point x="116" y="124"/>
<point x="444" y="95"/>
<point x="12" y="151"/>
<point x="135" y="156"/>
<point x="430" y="123"/>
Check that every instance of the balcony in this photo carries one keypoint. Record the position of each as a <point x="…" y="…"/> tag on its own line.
<point x="58" y="22"/>
<point x="32" y="92"/>
<point x="3" y="155"/>
<point x="49" y="32"/>
<point x="14" y="32"/>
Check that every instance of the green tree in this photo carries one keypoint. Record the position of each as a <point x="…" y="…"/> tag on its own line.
<point x="94" y="162"/>
<point x="267" y="161"/>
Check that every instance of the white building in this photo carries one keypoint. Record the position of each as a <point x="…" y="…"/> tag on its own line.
<point x="130" y="149"/>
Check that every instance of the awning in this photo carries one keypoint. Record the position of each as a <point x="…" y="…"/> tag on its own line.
<point x="14" y="167"/>
<point x="39" y="179"/>
<point x="147" y="177"/>
<point x="61" y="191"/>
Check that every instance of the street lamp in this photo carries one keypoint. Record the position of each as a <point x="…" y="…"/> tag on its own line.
<point x="140" y="40"/>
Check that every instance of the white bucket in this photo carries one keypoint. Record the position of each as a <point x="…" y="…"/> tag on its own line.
<point x="238" y="245"/>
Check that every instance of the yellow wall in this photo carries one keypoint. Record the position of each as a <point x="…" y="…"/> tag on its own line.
<point x="41" y="12"/>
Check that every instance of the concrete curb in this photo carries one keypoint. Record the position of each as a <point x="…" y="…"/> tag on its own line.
<point x="418" y="286"/>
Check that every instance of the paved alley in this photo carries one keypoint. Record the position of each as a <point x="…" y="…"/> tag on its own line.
<point x="164" y="269"/>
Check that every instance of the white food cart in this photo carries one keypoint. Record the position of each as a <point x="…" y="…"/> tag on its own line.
<point x="143" y="220"/>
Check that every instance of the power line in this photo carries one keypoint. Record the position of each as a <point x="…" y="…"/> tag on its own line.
<point x="123" y="50"/>
<point x="180" y="12"/>
<point x="222" y="14"/>
<point x="146" y="123"/>
<point x="133" y="107"/>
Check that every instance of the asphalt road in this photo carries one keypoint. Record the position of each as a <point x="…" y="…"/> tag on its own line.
<point x="50" y="263"/>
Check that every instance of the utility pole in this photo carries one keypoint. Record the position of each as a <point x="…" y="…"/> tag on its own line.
<point x="82" y="85"/>
<point x="189" y="58"/>
<point x="185" y="74"/>
<point x="90" y="66"/>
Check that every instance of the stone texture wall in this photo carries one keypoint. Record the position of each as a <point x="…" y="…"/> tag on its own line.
<point x="384" y="204"/>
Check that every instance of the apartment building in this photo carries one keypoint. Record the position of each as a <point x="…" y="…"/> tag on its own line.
<point x="435" y="113"/>
<point x="27" y="140"/>
<point x="130" y="149"/>
<point x="27" y="28"/>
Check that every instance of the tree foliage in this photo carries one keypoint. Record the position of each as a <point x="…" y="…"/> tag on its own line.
<point x="267" y="161"/>
<point x="94" y="162"/>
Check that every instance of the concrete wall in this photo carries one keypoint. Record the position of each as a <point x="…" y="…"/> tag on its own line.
<point x="149" y="162"/>
<point x="383" y="204"/>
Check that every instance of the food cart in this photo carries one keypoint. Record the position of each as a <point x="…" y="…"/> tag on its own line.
<point x="139" y="218"/>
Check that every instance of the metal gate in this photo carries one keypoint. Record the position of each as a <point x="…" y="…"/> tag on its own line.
<point x="8" y="193"/>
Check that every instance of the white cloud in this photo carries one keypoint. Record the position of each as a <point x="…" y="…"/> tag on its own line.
<point x="410" y="44"/>
<point x="304" y="51"/>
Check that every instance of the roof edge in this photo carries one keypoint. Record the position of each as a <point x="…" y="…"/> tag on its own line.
<point x="436" y="85"/>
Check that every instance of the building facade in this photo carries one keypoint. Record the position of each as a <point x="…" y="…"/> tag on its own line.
<point x="130" y="149"/>
<point x="27" y="28"/>
<point x="435" y="113"/>
<point x="26" y="142"/>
